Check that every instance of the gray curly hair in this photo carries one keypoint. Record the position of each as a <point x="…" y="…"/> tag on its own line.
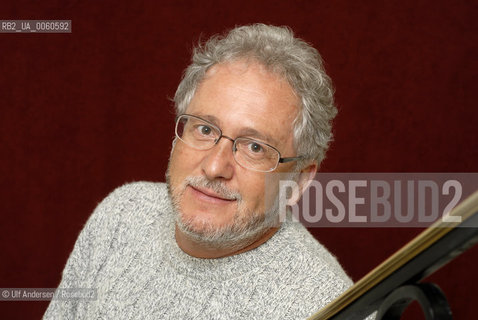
<point x="280" y="52"/>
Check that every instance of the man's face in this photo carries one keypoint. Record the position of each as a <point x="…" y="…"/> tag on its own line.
<point x="213" y="195"/>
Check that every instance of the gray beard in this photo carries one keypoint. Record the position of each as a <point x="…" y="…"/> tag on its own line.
<point x="246" y="227"/>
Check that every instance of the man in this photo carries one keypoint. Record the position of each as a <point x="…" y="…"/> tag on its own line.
<point x="253" y="105"/>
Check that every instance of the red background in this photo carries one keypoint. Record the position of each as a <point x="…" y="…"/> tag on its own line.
<point x="85" y="112"/>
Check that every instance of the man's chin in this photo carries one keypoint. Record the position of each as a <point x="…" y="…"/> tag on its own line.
<point x="219" y="237"/>
<point x="202" y="228"/>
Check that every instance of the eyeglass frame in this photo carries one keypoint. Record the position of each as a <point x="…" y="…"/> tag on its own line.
<point x="234" y="148"/>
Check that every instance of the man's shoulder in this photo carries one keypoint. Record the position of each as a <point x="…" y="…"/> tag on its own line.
<point x="140" y="191"/>
<point x="135" y="202"/>
<point x="123" y="218"/>
<point x="138" y="195"/>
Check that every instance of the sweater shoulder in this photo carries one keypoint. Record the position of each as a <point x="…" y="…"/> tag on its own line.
<point x="135" y="198"/>
<point x="140" y="191"/>
<point x="128" y="207"/>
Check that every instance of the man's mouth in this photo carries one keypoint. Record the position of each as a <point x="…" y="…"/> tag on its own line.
<point x="210" y="195"/>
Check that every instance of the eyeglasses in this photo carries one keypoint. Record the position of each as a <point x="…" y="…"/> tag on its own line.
<point x="251" y="154"/>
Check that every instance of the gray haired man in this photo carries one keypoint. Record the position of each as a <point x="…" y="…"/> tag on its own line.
<point x="209" y="245"/>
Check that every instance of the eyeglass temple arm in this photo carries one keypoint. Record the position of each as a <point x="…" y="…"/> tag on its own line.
<point x="290" y="159"/>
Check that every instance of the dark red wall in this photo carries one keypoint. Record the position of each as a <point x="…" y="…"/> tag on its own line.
<point x="83" y="113"/>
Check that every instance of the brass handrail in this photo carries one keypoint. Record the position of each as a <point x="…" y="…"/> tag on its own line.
<point x="424" y="240"/>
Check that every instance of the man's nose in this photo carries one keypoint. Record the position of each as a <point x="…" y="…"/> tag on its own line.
<point x="219" y="163"/>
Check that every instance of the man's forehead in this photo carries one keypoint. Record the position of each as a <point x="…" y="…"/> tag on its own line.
<point x="243" y="98"/>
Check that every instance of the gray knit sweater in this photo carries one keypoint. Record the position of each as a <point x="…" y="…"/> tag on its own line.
<point x="128" y="253"/>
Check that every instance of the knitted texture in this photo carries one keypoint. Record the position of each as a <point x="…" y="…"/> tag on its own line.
<point x="128" y="253"/>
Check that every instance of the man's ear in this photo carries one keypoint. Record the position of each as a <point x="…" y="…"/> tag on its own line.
<point x="306" y="176"/>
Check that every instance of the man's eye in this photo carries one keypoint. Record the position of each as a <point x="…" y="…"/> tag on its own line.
<point x="255" y="147"/>
<point x="205" y="130"/>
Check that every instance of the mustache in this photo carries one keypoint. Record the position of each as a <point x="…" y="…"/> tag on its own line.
<point x="215" y="185"/>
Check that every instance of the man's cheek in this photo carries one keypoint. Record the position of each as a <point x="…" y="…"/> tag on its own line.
<point x="254" y="204"/>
